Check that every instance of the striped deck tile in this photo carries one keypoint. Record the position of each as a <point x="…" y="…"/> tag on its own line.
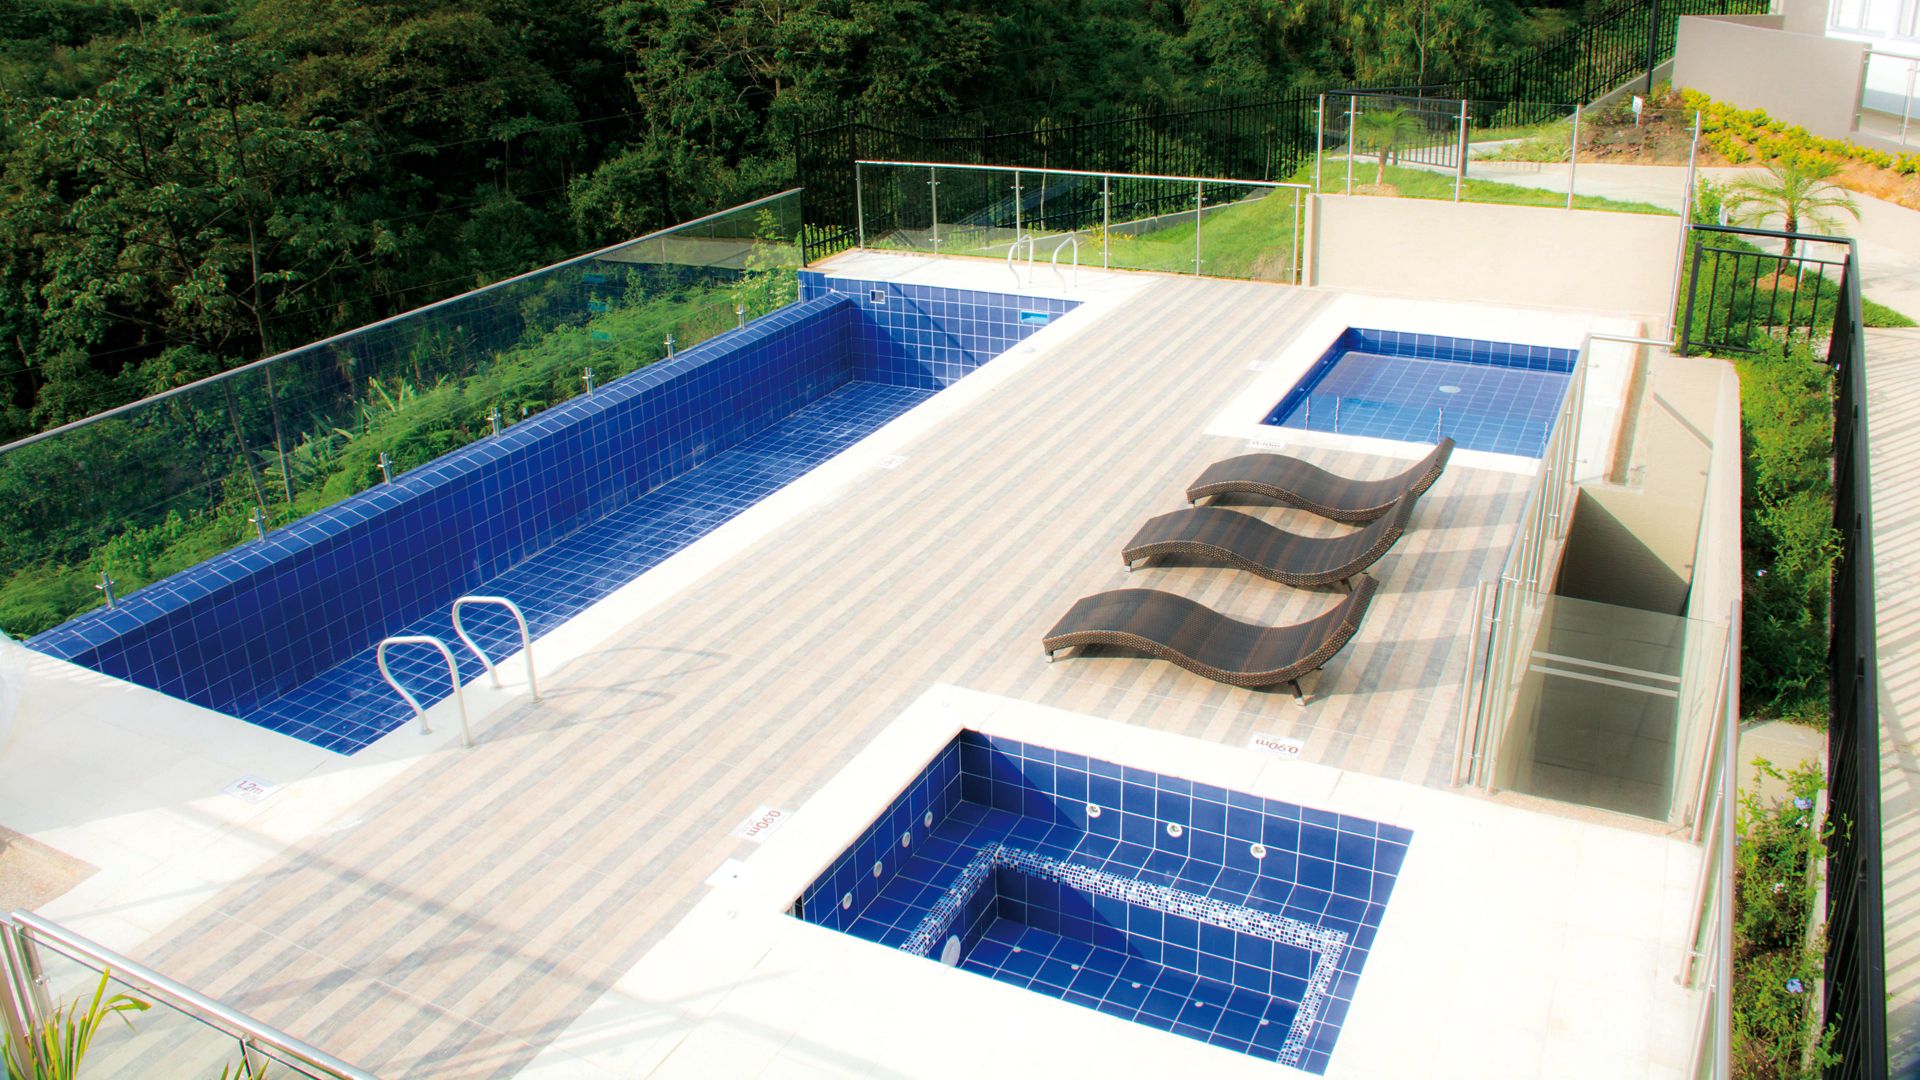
<point x="485" y="898"/>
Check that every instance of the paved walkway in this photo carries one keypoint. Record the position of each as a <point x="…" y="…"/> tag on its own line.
<point x="1893" y="395"/>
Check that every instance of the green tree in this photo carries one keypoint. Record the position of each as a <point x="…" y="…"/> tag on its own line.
<point x="1795" y="192"/>
<point x="1383" y="132"/>
<point x="174" y="208"/>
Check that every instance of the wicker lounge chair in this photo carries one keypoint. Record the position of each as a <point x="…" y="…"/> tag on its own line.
<point x="1296" y="483"/>
<point x="1205" y="642"/>
<point x="1217" y="535"/>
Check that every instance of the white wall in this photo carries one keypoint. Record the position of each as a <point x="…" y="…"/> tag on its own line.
<point x="1528" y="255"/>
<point x="1810" y="81"/>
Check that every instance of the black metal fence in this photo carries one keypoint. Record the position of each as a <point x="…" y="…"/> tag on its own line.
<point x="1856" y="1002"/>
<point x="1264" y="139"/>
<point x="1739" y="296"/>
<point x="1737" y="319"/>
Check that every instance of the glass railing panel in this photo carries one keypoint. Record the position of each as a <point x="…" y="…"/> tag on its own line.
<point x="1155" y="225"/>
<point x="1612" y="708"/>
<point x="155" y="487"/>
<point x="1250" y="232"/>
<point x="897" y="211"/>
<point x="157" y="1040"/>
<point x="1044" y="218"/>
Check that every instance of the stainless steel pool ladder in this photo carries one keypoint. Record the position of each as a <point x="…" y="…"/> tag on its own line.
<point x="526" y="639"/>
<point x="1075" y="241"/>
<point x="1014" y="249"/>
<point x="453" y="676"/>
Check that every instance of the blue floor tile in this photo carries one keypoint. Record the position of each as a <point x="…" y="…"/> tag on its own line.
<point x="349" y="706"/>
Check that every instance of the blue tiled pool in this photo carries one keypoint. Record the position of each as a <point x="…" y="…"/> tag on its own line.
<point x="1239" y="921"/>
<point x="555" y="513"/>
<point x="1486" y="395"/>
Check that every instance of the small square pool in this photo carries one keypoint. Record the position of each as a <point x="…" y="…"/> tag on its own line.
<point x="1219" y="916"/>
<point x="1486" y="395"/>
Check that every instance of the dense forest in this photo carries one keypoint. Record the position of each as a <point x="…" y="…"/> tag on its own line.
<point x="187" y="186"/>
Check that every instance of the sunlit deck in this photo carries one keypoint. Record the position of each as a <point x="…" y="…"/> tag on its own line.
<point x="477" y="902"/>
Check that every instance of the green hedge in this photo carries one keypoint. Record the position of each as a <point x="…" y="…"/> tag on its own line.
<point x="1778" y="854"/>
<point x="1788" y="541"/>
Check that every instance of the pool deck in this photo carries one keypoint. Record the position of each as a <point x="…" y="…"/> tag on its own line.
<point x="445" y="912"/>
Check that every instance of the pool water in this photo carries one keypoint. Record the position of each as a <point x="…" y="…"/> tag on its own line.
<point x="1492" y="396"/>
<point x="1219" y="916"/>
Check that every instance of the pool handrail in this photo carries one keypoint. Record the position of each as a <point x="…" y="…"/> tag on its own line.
<point x="526" y="639"/>
<point x="1013" y="249"/>
<point x="1075" y="241"/>
<point x="453" y="675"/>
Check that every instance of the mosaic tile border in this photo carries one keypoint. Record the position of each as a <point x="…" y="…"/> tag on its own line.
<point x="1328" y="946"/>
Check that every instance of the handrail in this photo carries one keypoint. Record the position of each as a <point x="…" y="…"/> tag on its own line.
<point x="526" y="639"/>
<point x="244" y="1029"/>
<point x="1014" y="248"/>
<point x="453" y="675"/>
<point x="230" y="373"/>
<point x="1083" y="172"/>
<point x="1075" y="241"/>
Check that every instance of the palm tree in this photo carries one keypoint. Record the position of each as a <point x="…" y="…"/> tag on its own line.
<point x="1797" y="192"/>
<point x="1384" y="131"/>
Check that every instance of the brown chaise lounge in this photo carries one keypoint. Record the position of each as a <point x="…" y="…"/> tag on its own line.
<point x="1217" y="535"/>
<point x="1205" y="642"/>
<point x="1296" y="483"/>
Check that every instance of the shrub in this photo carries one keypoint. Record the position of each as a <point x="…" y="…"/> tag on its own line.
<point x="1778" y="852"/>
<point x="1788" y="544"/>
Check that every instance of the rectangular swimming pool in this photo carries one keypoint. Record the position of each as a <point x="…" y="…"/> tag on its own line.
<point x="1492" y="396"/>
<point x="1224" y="917"/>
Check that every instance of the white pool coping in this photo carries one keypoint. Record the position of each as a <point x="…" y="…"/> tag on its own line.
<point x="1515" y="943"/>
<point x="1609" y="373"/>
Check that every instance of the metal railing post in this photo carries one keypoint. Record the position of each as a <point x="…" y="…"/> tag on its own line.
<point x="24" y="1003"/>
<point x="1106" y="221"/>
<point x="1351" y="103"/>
<point x="1460" y="178"/>
<point x="1199" y="197"/>
<point x="859" y="208"/>
<point x="1906" y="103"/>
<point x="1319" y="143"/>
<point x="1573" y="154"/>
<point x="933" y="198"/>
<point x="1299" y="208"/>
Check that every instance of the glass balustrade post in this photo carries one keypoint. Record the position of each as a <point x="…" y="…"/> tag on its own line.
<point x="933" y="199"/>
<point x="1199" y="196"/>
<point x="1106" y="221"/>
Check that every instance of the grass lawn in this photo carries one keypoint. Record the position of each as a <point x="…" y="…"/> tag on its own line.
<point x="1253" y="239"/>
<point x="1428" y="184"/>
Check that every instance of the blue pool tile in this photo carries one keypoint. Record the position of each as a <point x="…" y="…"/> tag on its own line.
<point x="1417" y="387"/>
<point x="1181" y="969"/>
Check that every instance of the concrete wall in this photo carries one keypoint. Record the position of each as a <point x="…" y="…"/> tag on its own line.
<point x="1636" y="544"/>
<point x="1804" y="16"/>
<point x="1804" y="79"/>
<point x="1529" y="255"/>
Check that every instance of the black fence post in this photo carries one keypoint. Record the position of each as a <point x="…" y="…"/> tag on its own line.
<point x="1693" y="291"/>
<point x="1653" y="44"/>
